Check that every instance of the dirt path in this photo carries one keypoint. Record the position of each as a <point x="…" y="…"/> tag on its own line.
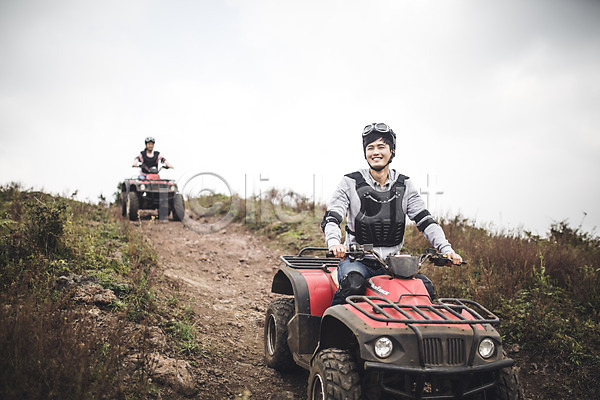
<point x="225" y="277"/>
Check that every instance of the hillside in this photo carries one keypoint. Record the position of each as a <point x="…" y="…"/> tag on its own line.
<point x="93" y="306"/>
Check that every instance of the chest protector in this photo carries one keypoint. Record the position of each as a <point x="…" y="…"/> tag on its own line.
<point x="150" y="162"/>
<point x="381" y="221"/>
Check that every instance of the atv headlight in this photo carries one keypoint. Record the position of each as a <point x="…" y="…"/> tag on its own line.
<point x="142" y="187"/>
<point x="487" y="348"/>
<point x="383" y="347"/>
<point x="172" y="188"/>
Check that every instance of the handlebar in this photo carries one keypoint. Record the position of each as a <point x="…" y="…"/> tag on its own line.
<point x="358" y="252"/>
<point x="147" y="169"/>
<point x="437" y="259"/>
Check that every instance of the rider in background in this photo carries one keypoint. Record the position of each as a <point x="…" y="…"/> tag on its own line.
<point x="376" y="202"/>
<point x="149" y="158"/>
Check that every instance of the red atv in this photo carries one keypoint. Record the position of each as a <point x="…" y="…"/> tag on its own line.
<point x="391" y="343"/>
<point x="151" y="193"/>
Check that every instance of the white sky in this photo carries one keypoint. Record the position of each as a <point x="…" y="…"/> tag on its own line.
<point x="498" y="101"/>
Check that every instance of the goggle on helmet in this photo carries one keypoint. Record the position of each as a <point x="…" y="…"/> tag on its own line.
<point x="381" y="128"/>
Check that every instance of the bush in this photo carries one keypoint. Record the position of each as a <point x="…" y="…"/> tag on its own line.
<point x="55" y="354"/>
<point x="53" y="347"/>
<point x="45" y="221"/>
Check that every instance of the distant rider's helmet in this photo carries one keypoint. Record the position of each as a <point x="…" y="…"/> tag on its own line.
<point x="149" y="139"/>
<point x="374" y="131"/>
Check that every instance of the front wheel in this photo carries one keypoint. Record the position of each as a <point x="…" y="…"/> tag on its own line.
<point x="277" y="351"/>
<point x="133" y="206"/>
<point x="333" y="376"/>
<point x="178" y="207"/>
<point x="123" y="200"/>
<point x="507" y="385"/>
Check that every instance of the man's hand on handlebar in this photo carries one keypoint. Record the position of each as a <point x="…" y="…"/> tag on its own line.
<point x="456" y="259"/>
<point x="338" y="250"/>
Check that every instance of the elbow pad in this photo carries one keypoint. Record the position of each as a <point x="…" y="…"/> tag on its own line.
<point x="331" y="216"/>
<point x="423" y="220"/>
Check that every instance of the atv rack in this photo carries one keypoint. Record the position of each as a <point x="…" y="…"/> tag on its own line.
<point x="302" y="261"/>
<point x="444" y="308"/>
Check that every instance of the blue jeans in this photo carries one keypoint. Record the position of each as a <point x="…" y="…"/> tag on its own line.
<point x="349" y="270"/>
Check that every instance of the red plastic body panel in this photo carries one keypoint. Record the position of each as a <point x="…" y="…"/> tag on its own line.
<point x="320" y="288"/>
<point x="405" y="291"/>
<point x="153" y="177"/>
<point x="393" y="289"/>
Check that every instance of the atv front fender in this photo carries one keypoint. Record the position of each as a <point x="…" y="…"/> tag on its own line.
<point x="423" y="349"/>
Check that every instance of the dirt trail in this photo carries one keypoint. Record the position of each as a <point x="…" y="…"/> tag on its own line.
<point x="225" y="277"/>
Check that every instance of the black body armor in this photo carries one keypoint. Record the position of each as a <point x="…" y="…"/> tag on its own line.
<point x="381" y="220"/>
<point x="150" y="162"/>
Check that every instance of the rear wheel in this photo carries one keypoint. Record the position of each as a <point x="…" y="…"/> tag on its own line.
<point x="277" y="351"/>
<point x="133" y="206"/>
<point x="178" y="207"/>
<point x="333" y="376"/>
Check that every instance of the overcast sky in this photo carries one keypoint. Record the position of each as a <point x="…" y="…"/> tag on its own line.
<point x="497" y="101"/>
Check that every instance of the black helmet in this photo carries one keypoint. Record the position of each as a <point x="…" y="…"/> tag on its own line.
<point x="377" y="130"/>
<point x="149" y="139"/>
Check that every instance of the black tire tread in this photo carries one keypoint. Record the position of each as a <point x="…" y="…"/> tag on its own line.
<point x="283" y="309"/>
<point x="123" y="199"/>
<point x="507" y="385"/>
<point x="178" y="207"/>
<point x="340" y="372"/>
<point x="134" y="206"/>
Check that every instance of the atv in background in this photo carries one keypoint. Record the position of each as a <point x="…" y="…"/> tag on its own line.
<point x="151" y="193"/>
<point x="393" y="342"/>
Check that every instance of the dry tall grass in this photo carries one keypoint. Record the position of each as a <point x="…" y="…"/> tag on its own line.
<point x="51" y="347"/>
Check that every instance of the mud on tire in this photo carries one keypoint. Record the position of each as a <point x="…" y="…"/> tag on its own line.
<point x="507" y="385"/>
<point x="333" y="376"/>
<point x="277" y="351"/>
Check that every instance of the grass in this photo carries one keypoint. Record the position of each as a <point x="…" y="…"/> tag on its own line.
<point x="55" y="350"/>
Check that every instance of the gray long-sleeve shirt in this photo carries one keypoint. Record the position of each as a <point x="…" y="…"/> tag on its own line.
<point x="346" y="202"/>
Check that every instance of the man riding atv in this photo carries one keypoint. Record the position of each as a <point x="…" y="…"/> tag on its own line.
<point x="380" y="334"/>
<point x="376" y="202"/>
<point x="148" y="158"/>
<point x="149" y="191"/>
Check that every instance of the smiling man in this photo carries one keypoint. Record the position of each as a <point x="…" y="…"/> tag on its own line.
<point x="376" y="202"/>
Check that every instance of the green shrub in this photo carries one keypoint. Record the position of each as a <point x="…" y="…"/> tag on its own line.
<point x="53" y="349"/>
<point x="45" y="222"/>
